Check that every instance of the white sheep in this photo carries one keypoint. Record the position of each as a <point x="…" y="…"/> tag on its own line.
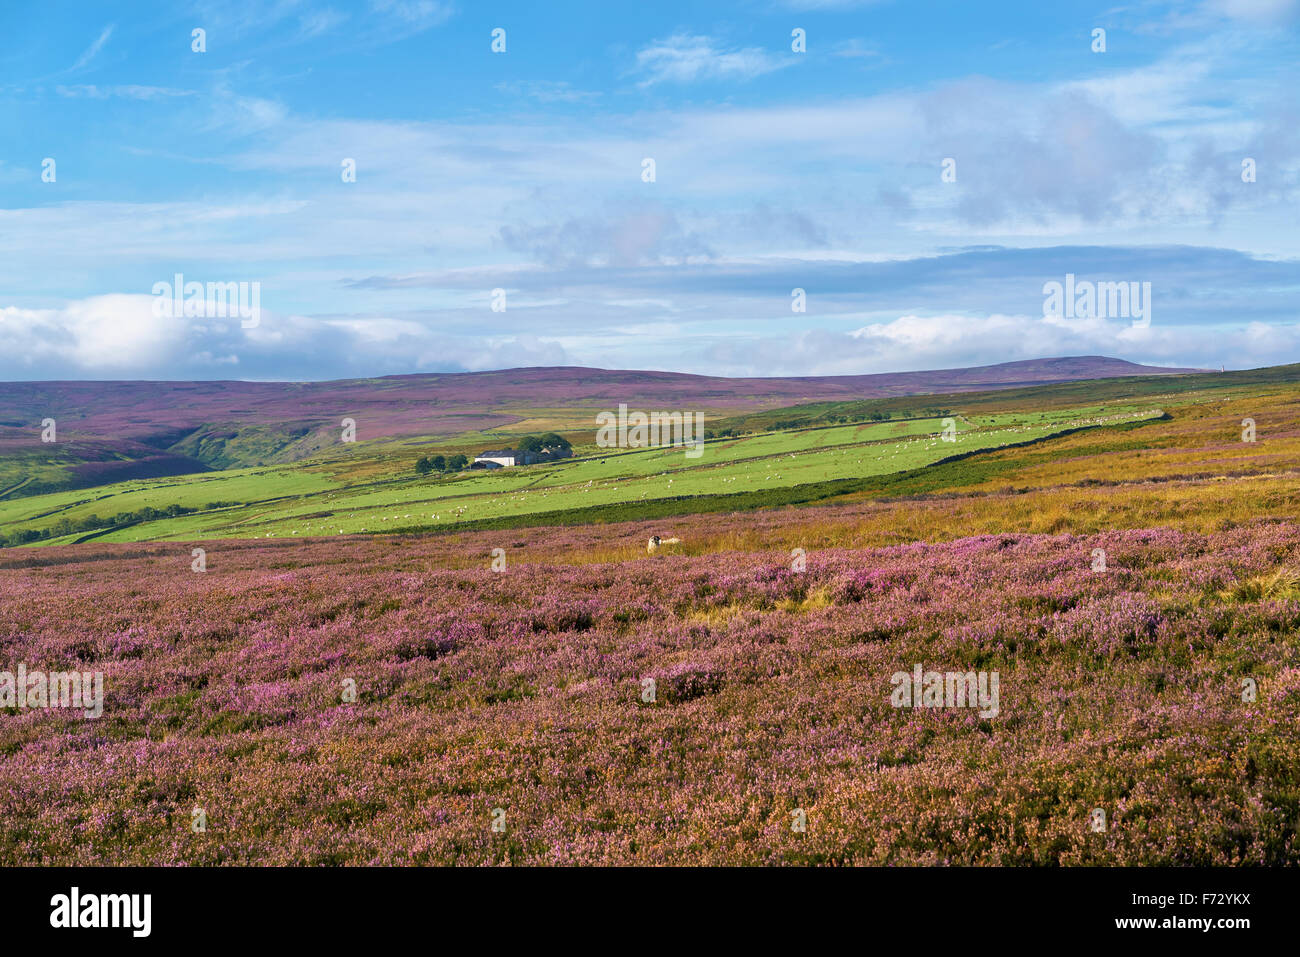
<point x="656" y="541"/>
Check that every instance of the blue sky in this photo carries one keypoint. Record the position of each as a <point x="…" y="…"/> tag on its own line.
<point x="522" y="171"/>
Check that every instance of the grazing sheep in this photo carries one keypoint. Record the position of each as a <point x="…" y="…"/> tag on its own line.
<point x="656" y="541"/>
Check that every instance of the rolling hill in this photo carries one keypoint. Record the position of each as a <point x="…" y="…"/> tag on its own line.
<point x="1146" y="427"/>
<point x="116" y="431"/>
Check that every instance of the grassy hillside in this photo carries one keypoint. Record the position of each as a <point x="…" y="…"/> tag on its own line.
<point x="327" y="498"/>
<point x="1127" y="390"/>
<point x="114" y="431"/>
<point x="1133" y="430"/>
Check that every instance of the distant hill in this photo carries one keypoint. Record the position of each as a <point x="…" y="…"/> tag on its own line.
<point x="110" y="431"/>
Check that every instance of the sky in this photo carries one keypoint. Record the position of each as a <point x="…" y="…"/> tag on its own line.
<point x="920" y="170"/>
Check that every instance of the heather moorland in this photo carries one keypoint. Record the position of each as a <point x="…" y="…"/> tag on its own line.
<point x="539" y="687"/>
<point x="520" y="693"/>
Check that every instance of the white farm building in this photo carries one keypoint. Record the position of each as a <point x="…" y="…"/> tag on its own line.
<point x="504" y="458"/>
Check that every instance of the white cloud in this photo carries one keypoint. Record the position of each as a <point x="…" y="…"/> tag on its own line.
<point x="118" y="336"/>
<point x="854" y="47"/>
<point x="314" y="23"/>
<point x="409" y="17"/>
<point x="685" y="58"/>
<point x="911" y="343"/>
<point x="828" y="4"/>
<point x="379" y="21"/>
<point x="93" y="50"/>
<point x="127" y="91"/>
<point x="244" y="115"/>
<point x="548" y="91"/>
<point x="1255" y="11"/>
<point x="99" y="335"/>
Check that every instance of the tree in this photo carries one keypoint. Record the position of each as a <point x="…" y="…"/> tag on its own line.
<point x="439" y="463"/>
<point x="457" y="462"/>
<point x="553" y="440"/>
<point x="529" y="443"/>
<point x="423" y="466"/>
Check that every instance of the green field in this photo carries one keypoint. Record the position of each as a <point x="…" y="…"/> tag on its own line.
<point x="370" y="487"/>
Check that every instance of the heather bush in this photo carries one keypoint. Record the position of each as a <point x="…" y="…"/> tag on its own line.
<point x="229" y="690"/>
